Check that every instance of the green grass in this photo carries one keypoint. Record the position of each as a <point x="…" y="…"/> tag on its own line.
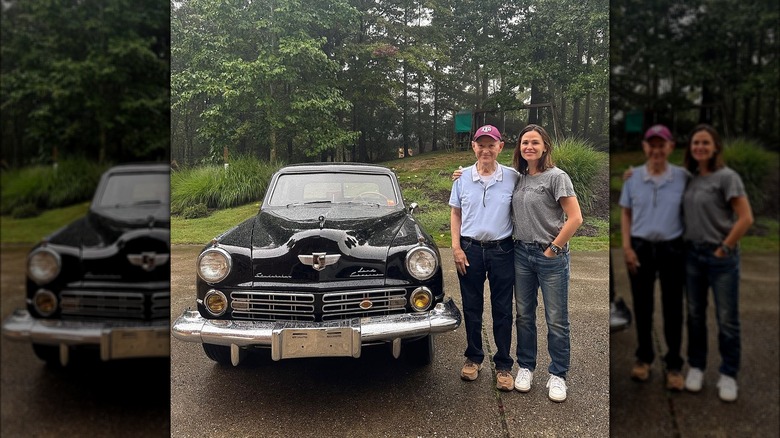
<point x="34" y="229"/>
<point x="202" y="230"/>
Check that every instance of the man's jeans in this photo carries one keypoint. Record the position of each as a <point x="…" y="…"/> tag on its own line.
<point x="666" y="260"/>
<point x="496" y="263"/>
<point x="704" y="270"/>
<point x="532" y="270"/>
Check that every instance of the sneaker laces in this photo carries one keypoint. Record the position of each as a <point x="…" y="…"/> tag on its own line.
<point x="525" y="374"/>
<point x="557" y="383"/>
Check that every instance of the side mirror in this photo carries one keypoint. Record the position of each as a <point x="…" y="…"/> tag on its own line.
<point x="413" y="206"/>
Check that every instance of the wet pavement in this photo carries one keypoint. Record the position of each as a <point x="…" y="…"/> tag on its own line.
<point x="649" y="410"/>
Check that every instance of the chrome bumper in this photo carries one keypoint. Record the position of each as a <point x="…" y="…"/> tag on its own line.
<point x="116" y="339"/>
<point x="192" y="327"/>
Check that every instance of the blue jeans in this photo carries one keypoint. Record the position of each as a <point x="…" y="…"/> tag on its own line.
<point x="704" y="270"/>
<point x="496" y="264"/>
<point x="533" y="270"/>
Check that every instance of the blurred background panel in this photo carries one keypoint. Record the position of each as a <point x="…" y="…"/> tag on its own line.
<point x="85" y="87"/>
<point x="681" y="64"/>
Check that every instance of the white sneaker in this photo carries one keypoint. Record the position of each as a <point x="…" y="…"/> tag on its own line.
<point x="524" y="379"/>
<point x="557" y="389"/>
<point x="694" y="379"/>
<point x="727" y="388"/>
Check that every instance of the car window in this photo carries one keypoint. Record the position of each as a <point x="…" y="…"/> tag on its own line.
<point x="333" y="188"/>
<point x="123" y="190"/>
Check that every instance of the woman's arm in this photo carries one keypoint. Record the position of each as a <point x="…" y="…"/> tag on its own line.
<point x="573" y="221"/>
<point x="741" y="207"/>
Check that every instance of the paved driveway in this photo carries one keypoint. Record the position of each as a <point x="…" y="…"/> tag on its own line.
<point x="378" y="396"/>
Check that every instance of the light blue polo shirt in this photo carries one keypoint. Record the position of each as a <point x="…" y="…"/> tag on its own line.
<point x="486" y="209"/>
<point x="656" y="204"/>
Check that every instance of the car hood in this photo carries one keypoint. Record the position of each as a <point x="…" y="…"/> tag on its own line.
<point x="354" y="241"/>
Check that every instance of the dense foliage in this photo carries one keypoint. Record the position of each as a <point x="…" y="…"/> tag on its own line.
<point x="681" y="63"/>
<point x="354" y="80"/>
<point x="85" y="78"/>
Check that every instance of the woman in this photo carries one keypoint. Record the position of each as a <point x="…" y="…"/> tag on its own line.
<point x="545" y="215"/>
<point x="717" y="215"/>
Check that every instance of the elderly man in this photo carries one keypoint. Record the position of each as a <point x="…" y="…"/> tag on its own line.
<point x="651" y="227"/>
<point x="482" y="247"/>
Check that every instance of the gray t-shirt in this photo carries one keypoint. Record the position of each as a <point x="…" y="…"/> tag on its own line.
<point x="707" y="207"/>
<point x="536" y="214"/>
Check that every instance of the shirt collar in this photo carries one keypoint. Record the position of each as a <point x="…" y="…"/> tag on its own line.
<point x="498" y="174"/>
<point x="666" y="176"/>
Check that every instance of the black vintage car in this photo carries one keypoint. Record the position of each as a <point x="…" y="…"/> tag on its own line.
<point x="333" y="261"/>
<point x="102" y="282"/>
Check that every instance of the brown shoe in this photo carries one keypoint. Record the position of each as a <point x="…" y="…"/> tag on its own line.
<point x="641" y="371"/>
<point x="675" y="380"/>
<point x="504" y="380"/>
<point x="470" y="370"/>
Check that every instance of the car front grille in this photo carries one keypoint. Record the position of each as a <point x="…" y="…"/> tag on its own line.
<point x="102" y="301"/>
<point x="284" y="306"/>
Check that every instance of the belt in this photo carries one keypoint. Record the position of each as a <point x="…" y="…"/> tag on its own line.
<point x="486" y="243"/>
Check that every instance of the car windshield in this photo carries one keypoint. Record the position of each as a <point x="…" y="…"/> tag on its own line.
<point x="133" y="189"/>
<point x="329" y="188"/>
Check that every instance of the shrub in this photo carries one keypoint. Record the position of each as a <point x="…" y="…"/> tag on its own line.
<point x="244" y="181"/>
<point x="24" y="211"/>
<point x="195" y="211"/>
<point x="583" y="163"/>
<point x="754" y="164"/>
<point x="74" y="180"/>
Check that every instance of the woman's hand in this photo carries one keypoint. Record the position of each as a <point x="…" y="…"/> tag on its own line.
<point x="456" y="174"/>
<point x="627" y="174"/>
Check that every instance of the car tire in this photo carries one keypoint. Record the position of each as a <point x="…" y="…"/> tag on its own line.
<point x="49" y="354"/>
<point x="218" y="353"/>
<point x="419" y="352"/>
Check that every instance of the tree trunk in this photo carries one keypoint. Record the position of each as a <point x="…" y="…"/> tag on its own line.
<point x="435" y="121"/>
<point x="586" y="117"/>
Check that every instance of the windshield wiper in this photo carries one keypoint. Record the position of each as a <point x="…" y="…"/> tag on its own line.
<point x="133" y="204"/>
<point x="309" y="203"/>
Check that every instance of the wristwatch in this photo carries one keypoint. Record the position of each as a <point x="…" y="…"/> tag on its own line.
<point x="555" y="248"/>
<point x="726" y="249"/>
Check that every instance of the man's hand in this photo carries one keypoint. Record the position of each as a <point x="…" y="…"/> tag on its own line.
<point x="632" y="262"/>
<point x="460" y="260"/>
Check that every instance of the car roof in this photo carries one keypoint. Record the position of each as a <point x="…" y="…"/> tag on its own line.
<point x="139" y="167"/>
<point x="335" y="167"/>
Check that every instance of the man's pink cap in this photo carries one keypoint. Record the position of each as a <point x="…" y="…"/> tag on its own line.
<point x="659" y="131"/>
<point x="490" y="131"/>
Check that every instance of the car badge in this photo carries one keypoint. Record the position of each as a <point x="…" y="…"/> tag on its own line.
<point x="318" y="260"/>
<point x="147" y="260"/>
<point x="366" y="304"/>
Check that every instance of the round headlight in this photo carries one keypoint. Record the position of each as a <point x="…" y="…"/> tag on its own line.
<point x="43" y="265"/>
<point x="214" y="265"/>
<point x="421" y="299"/>
<point x="421" y="262"/>
<point x="215" y="302"/>
<point x="45" y="302"/>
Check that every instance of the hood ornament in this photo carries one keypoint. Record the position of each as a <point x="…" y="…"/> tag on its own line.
<point x="318" y="260"/>
<point x="322" y="221"/>
<point x="147" y="260"/>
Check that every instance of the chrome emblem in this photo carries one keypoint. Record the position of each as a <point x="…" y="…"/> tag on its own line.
<point x="366" y="304"/>
<point x="147" y="260"/>
<point x="318" y="260"/>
